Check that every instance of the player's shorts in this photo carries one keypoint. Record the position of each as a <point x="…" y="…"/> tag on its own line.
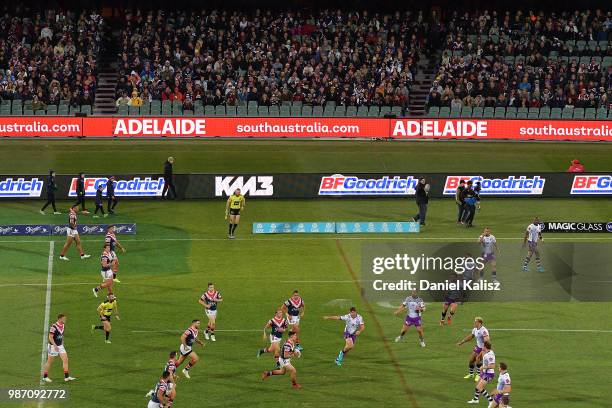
<point x="169" y="389"/>
<point x="413" y="321"/>
<point x="488" y="377"/>
<point x="497" y="398"/>
<point x="153" y="404"/>
<point x="293" y="319"/>
<point x="51" y="350"/>
<point x="72" y="232"/>
<point x="106" y="274"/>
<point x="450" y="301"/>
<point x="284" y="362"/>
<point x="234" y="211"/>
<point x="488" y="257"/>
<point x="105" y="318"/>
<point x="274" y="339"/>
<point x="185" y="350"/>
<point x="532" y="245"/>
<point x="348" y="335"/>
<point x="211" y="313"/>
<point x="477" y="350"/>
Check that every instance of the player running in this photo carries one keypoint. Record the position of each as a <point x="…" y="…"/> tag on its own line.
<point x="451" y="302"/>
<point x="111" y="239"/>
<point x="189" y="337"/>
<point x="481" y="334"/>
<point x="488" y="243"/>
<point x="169" y="367"/>
<point x="106" y="262"/>
<point x="159" y="398"/>
<point x="353" y="328"/>
<point x="504" y="386"/>
<point x="55" y="347"/>
<point x="294" y="309"/>
<point x="105" y="311"/>
<point x="533" y="235"/>
<point x="415" y="306"/>
<point x="289" y="350"/>
<point x="72" y="235"/>
<point x="209" y="300"/>
<point x="487" y="373"/>
<point x="277" y="325"/>
<point x="235" y="203"/>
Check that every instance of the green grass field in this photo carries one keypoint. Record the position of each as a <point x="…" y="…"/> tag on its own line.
<point x="180" y="246"/>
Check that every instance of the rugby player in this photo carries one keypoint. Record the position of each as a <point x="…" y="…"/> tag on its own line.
<point x="170" y="367"/>
<point x="504" y="386"/>
<point x="415" y="306"/>
<point x="487" y="373"/>
<point x="488" y="243"/>
<point x="294" y="309"/>
<point x="235" y="203"/>
<point x="289" y="350"/>
<point x="353" y="328"/>
<point x="481" y="334"/>
<point x="451" y="302"/>
<point x="111" y="240"/>
<point x="209" y="300"/>
<point x="158" y="397"/>
<point x="56" y="347"/>
<point x="277" y="325"/>
<point x="533" y="235"/>
<point x="105" y="311"/>
<point x="106" y="261"/>
<point x="72" y="235"/>
<point x="189" y="337"/>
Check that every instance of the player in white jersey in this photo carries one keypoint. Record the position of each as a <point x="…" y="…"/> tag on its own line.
<point x="489" y="248"/>
<point x="481" y="334"/>
<point x="533" y="235"/>
<point x="487" y="373"/>
<point x="501" y="397"/>
<point x="353" y="328"/>
<point x="415" y="306"/>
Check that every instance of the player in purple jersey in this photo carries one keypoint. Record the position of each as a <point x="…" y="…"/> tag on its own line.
<point x="415" y="306"/>
<point x="487" y="373"/>
<point x="501" y="397"/>
<point x="354" y="326"/>
<point x="452" y="298"/>
<point x="481" y="334"/>
<point x="533" y="235"/>
<point x="489" y="249"/>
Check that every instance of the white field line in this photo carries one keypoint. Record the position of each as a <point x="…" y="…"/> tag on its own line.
<point x="180" y="331"/>
<point x="549" y="330"/>
<point x="9" y="285"/>
<point x="43" y="353"/>
<point x="326" y="238"/>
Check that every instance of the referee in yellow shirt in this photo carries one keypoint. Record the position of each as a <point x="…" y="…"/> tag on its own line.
<point x="234" y="204"/>
<point x="105" y="311"/>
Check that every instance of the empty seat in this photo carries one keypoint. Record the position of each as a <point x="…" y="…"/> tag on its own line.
<point x="351" y="111"/>
<point x="263" y="111"/>
<point x="209" y="110"/>
<point x="466" y="112"/>
<point x="533" y="115"/>
<point x="52" y="110"/>
<point x="602" y="113"/>
<point x="374" y="111"/>
<point x="274" y="111"/>
<point x="187" y="112"/>
<point x="307" y="111"/>
<point x="198" y="110"/>
<point x="578" y="113"/>
<point x="433" y="112"/>
<point x="500" y="112"/>
<point x="455" y="112"/>
<point x="488" y="112"/>
<point x="555" y="113"/>
<point x="477" y="112"/>
<point x="340" y="111"/>
<point x="444" y="112"/>
<point x="397" y="111"/>
<point x="252" y="110"/>
<point x="220" y="110"/>
<point x="362" y="111"/>
<point x="231" y="111"/>
<point x="285" y="110"/>
<point x="296" y="110"/>
<point x="241" y="111"/>
<point x="568" y="113"/>
<point x="384" y="110"/>
<point x="317" y="111"/>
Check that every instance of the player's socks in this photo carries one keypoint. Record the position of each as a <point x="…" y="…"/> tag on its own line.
<point x="494" y="275"/>
<point x="443" y="316"/>
<point x="188" y="366"/>
<point x="472" y="369"/>
<point x="234" y="228"/>
<point x="107" y="335"/>
<point x="476" y="394"/>
<point x="66" y="374"/>
<point x="45" y="374"/>
<point x="229" y="228"/>
<point x="341" y="355"/>
<point x="486" y="395"/>
<point x="98" y="327"/>
<point x="261" y="351"/>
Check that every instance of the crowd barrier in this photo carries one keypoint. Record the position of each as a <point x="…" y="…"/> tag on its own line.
<point x="296" y="128"/>
<point x="317" y="185"/>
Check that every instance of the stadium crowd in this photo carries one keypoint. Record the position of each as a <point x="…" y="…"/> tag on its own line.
<point x="232" y="58"/>
<point x="528" y="60"/>
<point x="49" y="56"/>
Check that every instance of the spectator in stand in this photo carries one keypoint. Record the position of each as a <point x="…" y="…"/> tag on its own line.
<point x="135" y="100"/>
<point x="123" y="100"/>
<point x="575" y="167"/>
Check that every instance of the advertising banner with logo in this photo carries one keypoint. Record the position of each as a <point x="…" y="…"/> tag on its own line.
<point x="345" y="227"/>
<point x="46" y="229"/>
<point x="576" y="227"/>
<point x="301" y="127"/>
<point x="317" y="185"/>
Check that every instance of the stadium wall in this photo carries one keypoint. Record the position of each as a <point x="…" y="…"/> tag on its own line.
<point x="318" y="185"/>
<point x="301" y="127"/>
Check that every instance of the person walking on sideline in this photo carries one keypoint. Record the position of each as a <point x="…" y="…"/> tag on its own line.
<point x="51" y="189"/>
<point x="168" y="179"/>
<point x="422" y="199"/>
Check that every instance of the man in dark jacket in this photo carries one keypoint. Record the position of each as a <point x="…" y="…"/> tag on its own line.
<point x="469" y="206"/>
<point x="51" y="189"/>
<point x="99" y="201"/>
<point x="110" y="195"/>
<point x="168" y="179"/>
<point x="422" y="199"/>
<point x="459" y="200"/>
<point x="80" y="191"/>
